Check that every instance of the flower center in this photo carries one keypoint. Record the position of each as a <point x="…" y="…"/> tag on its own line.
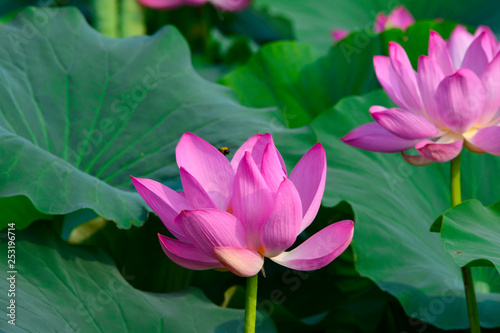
<point x="449" y="137"/>
<point x="470" y="133"/>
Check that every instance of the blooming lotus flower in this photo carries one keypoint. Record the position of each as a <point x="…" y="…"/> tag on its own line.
<point x="400" y="17"/>
<point x="453" y="100"/>
<point x="225" y="5"/>
<point x="233" y="214"/>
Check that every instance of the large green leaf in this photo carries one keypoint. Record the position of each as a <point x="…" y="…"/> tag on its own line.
<point x="67" y="288"/>
<point x="20" y="209"/>
<point x="313" y="20"/>
<point x="471" y="234"/>
<point x="272" y="77"/>
<point x="293" y="77"/>
<point x="395" y="204"/>
<point x="80" y="113"/>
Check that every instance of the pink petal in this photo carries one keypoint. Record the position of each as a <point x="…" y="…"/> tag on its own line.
<point x="240" y="261"/>
<point x="380" y="22"/>
<point x="196" y="196"/>
<point x="252" y="200"/>
<point x="231" y="5"/>
<point x="488" y="139"/>
<point x="320" y="249"/>
<point x="401" y="18"/>
<point x="459" y="42"/>
<point x="405" y="124"/>
<point x="439" y="152"/>
<point x="473" y="148"/>
<point x="256" y="146"/>
<point x="416" y="160"/>
<point x="429" y="76"/>
<point x="171" y="4"/>
<point x="309" y="177"/>
<point x="208" y="228"/>
<point x="210" y="168"/>
<point x="280" y="230"/>
<point x="475" y="58"/>
<point x="492" y="47"/>
<point x="460" y="100"/>
<point x="373" y="137"/>
<point x="438" y="51"/>
<point x="491" y="84"/>
<point x="406" y="76"/>
<point x="165" y="202"/>
<point x="249" y="145"/>
<point x="339" y="34"/>
<point x="187" y="255"/>
<point x="388" y="80"/>
<point x="271" y="168"/>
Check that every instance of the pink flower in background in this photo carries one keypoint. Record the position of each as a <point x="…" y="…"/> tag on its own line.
<point x="339" y="34"/>
<point x="225" y="5"/>
<point x="453" y="100"/>
<point x="233" y="214"/>
<point x="400" y="17"/>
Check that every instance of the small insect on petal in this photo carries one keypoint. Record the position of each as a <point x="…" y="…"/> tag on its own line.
<point x="225" y="151"/>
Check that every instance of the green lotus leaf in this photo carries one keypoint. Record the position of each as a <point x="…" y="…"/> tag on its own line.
<point x="67" y="288"/>
<point x="471" y="234"/>
<point x="80" y="113"/>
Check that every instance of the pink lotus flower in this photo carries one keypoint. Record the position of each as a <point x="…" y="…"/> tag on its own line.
<point x="225" y="5"/>
<point x="339" y="34"/>
<point x="400" y="17"/>
<point x="233" y="214"/>
<point x="452" y="101"/>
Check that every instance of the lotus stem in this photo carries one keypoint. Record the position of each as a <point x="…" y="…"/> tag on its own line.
<point x="251" y="303"/>
<point x="131" y="19"/>
<point x="106" y="17"/>
<point x="470" y="294"/>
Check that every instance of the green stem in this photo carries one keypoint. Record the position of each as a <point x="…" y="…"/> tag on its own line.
<point x="106" y="17"/>
<point x="132" y="22"/>
<point x="456" y="190"/>
<point x="470" y="295"/>
<point x="251" y="303"/>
